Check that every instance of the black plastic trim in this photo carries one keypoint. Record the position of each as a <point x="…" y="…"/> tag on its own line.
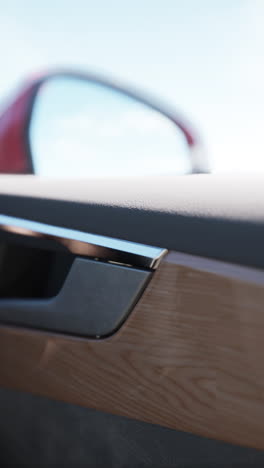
<point x="94" y="301"/>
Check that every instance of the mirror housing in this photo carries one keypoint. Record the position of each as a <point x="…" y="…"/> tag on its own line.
<point x="15" y="148"/>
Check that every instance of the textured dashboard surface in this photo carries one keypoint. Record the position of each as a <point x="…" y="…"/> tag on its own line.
<point x="209" y="215"/>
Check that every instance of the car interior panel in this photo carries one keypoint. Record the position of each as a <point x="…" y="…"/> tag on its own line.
<point x="132" y="285"/>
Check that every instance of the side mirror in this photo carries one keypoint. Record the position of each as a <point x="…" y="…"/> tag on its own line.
<point x="67" y="124"/>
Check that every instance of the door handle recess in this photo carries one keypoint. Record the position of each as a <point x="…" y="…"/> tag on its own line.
<point x="97" y="296"/>
<point x="94" y="301"/>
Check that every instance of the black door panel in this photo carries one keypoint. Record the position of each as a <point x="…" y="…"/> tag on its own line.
<point x="212" y="216"/>
<point x="39" y="432"/>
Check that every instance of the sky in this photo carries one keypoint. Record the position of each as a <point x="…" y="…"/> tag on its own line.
<point x="203" y="57"/>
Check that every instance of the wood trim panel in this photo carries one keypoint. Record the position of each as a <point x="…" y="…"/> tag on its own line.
<point x="189" y="357"/>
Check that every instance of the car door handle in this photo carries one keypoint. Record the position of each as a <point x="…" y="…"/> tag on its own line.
<point x="98" y="293"/>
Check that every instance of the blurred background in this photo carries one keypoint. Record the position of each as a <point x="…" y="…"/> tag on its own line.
<point x="204" y="57"/>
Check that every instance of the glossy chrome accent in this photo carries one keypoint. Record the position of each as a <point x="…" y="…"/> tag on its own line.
<point x="85" y="244"/>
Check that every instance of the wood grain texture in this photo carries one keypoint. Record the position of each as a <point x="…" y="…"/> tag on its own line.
<point x="190" y="356"/>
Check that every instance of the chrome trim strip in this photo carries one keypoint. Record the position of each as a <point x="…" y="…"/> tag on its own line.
<point x="86" y="244"/>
